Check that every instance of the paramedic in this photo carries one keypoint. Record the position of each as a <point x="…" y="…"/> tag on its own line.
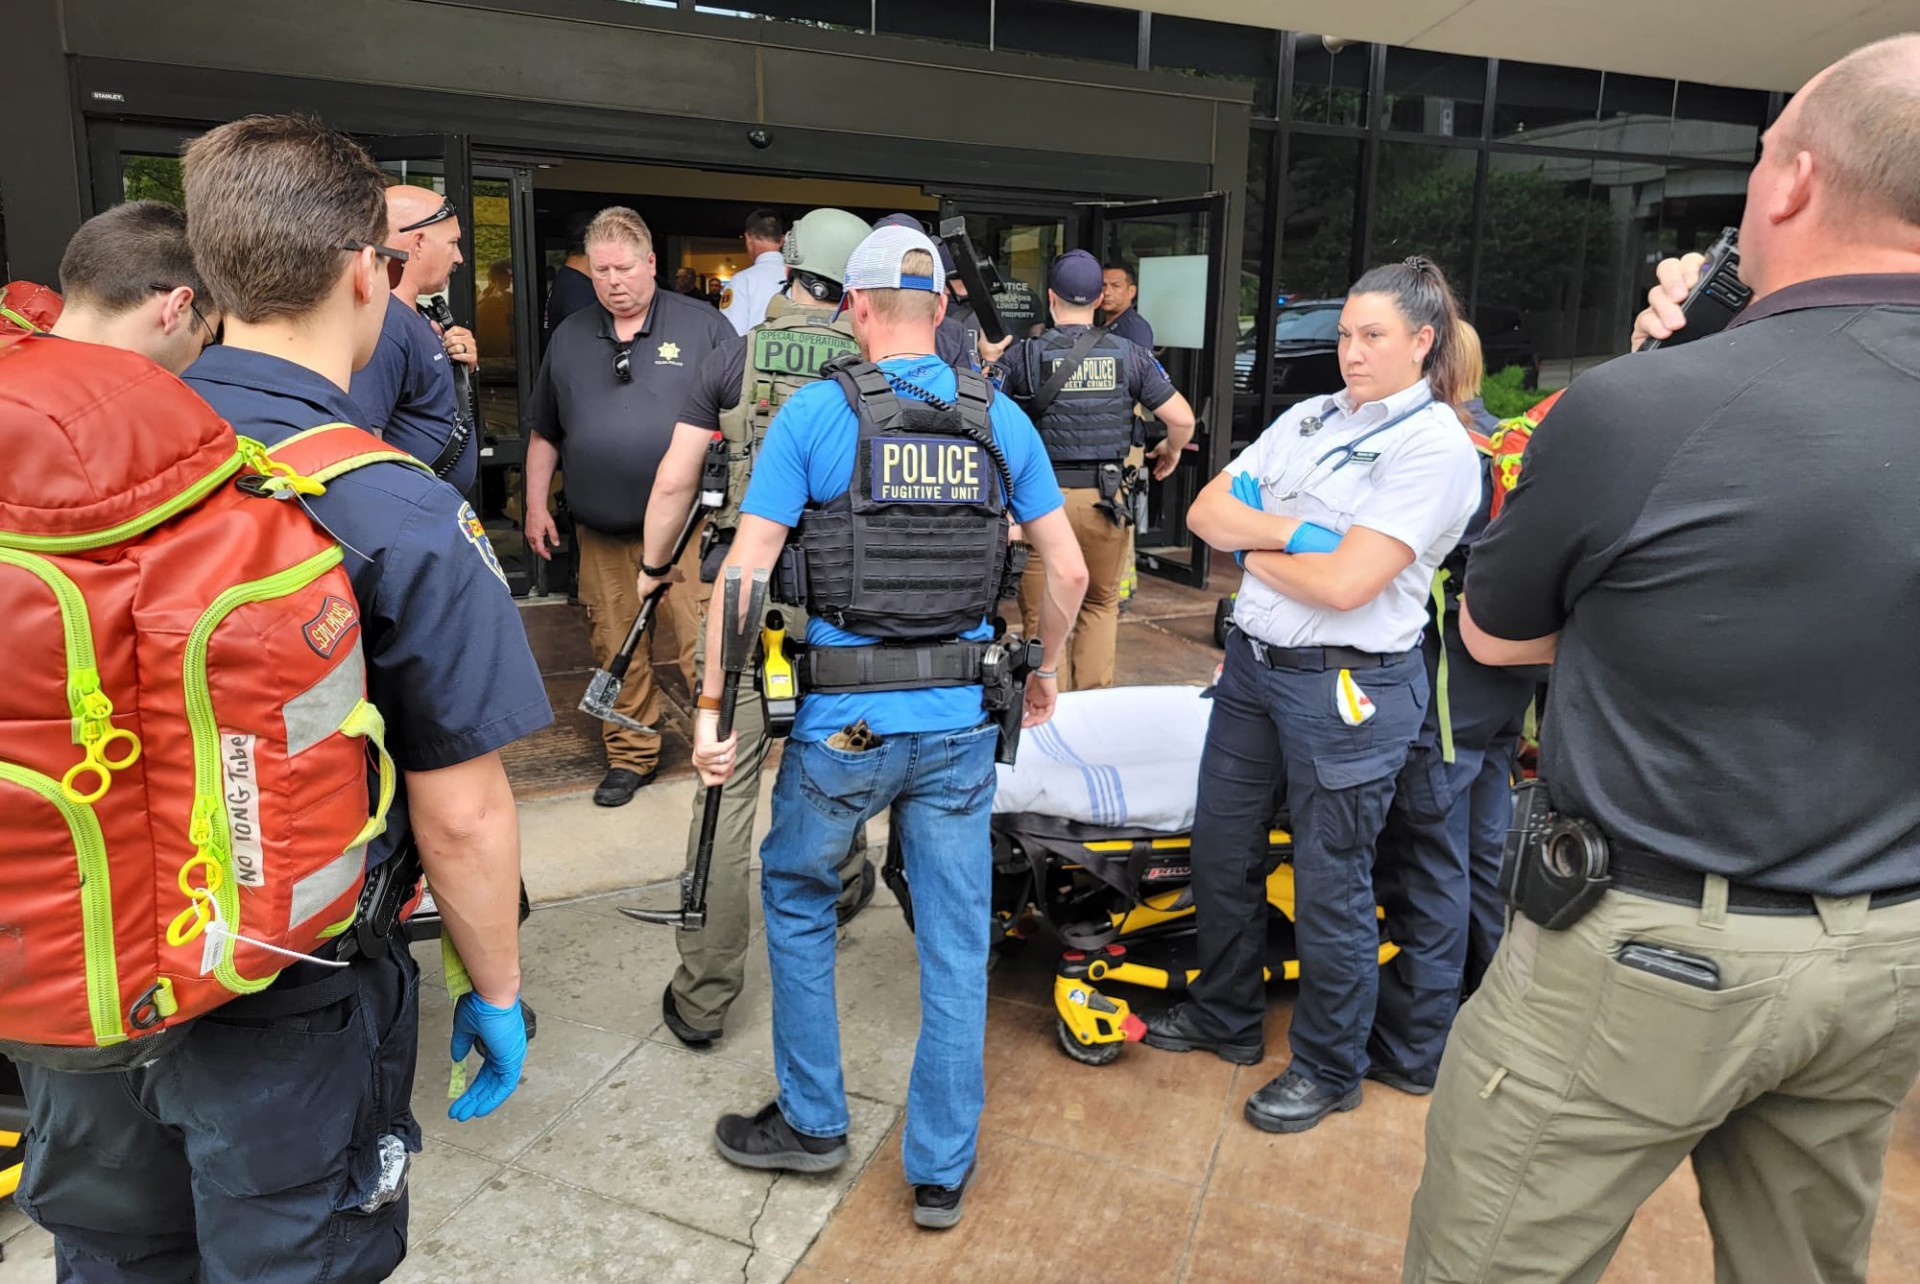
<point x="1715" y="545"/>
<point x="867" y="741"/>
<point x="1323" y="682"/>
<point x="265" y="1144"/>
<point x="129" y="282"/>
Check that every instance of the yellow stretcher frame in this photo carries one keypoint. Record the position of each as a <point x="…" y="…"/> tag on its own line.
<point x="10" y="1175"/>
<point x="1094" y="1026"/>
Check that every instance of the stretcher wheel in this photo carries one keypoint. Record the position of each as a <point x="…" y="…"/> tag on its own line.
<point x="1098" y="1054"/>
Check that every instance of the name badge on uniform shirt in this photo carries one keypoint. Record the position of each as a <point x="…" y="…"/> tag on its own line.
<point x="928" y="470"/>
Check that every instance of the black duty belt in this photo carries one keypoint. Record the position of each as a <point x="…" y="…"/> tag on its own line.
<point x="1080" y="476"/>
<point x="1657" y="878"/>
<point x="844" y="669"/>
<point x="1319" y="659"/>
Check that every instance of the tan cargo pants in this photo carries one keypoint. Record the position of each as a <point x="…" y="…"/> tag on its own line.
<point x="1573" y="1085"/>
<point x="609" y="569"/>
<point x="1088" y="660"/>
<point x="713" y="960"/>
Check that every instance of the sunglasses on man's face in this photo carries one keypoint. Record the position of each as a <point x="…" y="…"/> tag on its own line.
<point x="623" y="361"/>
<point x="396" y="259"/>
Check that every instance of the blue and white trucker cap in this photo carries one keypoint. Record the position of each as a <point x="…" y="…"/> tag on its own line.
<point x="875" y="262"/>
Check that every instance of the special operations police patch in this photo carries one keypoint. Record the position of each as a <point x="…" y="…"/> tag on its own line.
<point x="802" y="354"/>
<point x="928" y="470"/>
<point x="469" y="522"/>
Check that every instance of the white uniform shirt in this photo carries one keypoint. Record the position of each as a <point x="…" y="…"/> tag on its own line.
<point x="1418" y="482"/>
<point x="746" y="297"/>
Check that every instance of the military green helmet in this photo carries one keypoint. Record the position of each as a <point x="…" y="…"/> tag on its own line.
<point x="821" y="242"/>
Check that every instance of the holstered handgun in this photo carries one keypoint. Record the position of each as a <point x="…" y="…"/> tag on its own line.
<point x="389" y="886"/>
<point x="1004" y="670"/>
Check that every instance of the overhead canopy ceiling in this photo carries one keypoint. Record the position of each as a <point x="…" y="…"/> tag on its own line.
<point x="1757" y="44"/>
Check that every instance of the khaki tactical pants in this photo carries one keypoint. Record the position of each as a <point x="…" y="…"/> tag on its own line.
<point x="609" y="566"/>
<point x="1088" y="660"/>
<point x="1573" y="1085"/>
<point x="713" y="960"/>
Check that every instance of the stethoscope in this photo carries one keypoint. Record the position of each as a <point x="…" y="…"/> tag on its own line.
<point x="1346" y="451"/>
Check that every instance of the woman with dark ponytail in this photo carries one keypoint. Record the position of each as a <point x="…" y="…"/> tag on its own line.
<point x="1340" y="512"/>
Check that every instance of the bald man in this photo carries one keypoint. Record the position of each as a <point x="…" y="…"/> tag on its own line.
<point x="1714" y="546"/>
<point x="407" y="389"/>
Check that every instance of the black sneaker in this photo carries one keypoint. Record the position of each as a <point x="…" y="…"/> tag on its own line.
<point x="1295" y="1103"/>
<point x="1399" y="1082"/>
<point x="619" y="785"/>
<point x="698" y="1040"/>
<point x="1178" y="1030"/>
<point x="868" y="880"/>
<point x="938" y="1207"/>
<point x="768" y="1141"/>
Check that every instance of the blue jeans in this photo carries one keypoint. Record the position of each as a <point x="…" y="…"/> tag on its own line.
<point x="940" y="787"/>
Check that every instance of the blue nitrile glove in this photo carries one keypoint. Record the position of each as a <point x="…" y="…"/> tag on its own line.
<point x="1246" y="489"/>
<point x="502" y="1036"/>
<point x="1312" y="538"/>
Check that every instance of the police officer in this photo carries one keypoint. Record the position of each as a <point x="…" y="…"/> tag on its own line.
<point x="128" y="281"/>
<point x="741" y="387"/>
<point x="1714" y="545"/>
<point x="1439" y="855"/>
<point x="609" y="390"/>
<point x="1322" y="685"/>
<point x="957" y="340"/>
<point x="270" y="1144"/>
<point x="407" y="392"/>
<point x="898" y="643"/>
<point x="1118" y="292"/>
<point x="1080" y="384"/>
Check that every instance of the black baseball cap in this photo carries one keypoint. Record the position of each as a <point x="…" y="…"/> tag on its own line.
<point x="1076" y="277"/>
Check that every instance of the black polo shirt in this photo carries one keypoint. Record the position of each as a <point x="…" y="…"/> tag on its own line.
<point x="1726" y="537"/>
<point x="1147" y="383"/>
<point x="612" y="435"/>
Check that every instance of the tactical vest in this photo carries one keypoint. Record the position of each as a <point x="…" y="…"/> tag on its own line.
<point x="1091" y="421"/>
<point x="914" y="549"/>
<point x="785" y="353"/>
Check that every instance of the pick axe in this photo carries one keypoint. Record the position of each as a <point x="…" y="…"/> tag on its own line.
<point x="603" y="688"/>
<point x="737" y="639"/>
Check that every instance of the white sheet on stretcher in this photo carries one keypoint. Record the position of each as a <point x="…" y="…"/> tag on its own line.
<point x="1126" y="757"/>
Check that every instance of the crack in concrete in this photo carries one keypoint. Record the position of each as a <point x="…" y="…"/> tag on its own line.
<point x="753" y="1243"/>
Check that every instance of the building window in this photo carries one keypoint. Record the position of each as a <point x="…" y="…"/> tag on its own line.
<point x="838" y="15"/>
<point x="1545" y="106"/>
<point x="1554" y="285"/>
<point x="1249" y="54"/>
<point x="1717" y="123"/>
<point x="1330" y="81"/>
<point x="1068" y="30"/>
<point x="1316" y="250"/>
<point x="966" y="22"/>
<point x="1423" y="204"/>
<point x="1636" y="114"/>
<point x="1433" y="93"/>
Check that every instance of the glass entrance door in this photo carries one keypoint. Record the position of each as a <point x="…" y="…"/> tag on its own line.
<point x="1176" y="250"/>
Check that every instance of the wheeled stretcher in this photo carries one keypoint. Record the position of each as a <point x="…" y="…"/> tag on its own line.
<point x="1092" y="836"/>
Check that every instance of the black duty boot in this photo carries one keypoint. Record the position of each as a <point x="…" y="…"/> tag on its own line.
<point x="1398" y="1081"/>
<point x="767" y="1140"/>
<point x="938" y="1207"/>
<point x="698" y="1040"/>
<point x="1178" y="1030"/>
<point x="1295" y="1103"/>
<point x="862" y="890"/>
<point x="619" y="785"/>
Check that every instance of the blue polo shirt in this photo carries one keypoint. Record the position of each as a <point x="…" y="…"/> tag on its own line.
<point x="448" y="664"/>
<point x="406" y="393"/>
<point x="808" y="458"/>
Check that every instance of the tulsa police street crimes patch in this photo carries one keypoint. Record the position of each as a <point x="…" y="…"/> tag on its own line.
<point x="928" y="470"/>
<point x="476" y="534"/>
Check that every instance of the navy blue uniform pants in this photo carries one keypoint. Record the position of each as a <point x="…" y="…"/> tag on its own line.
<point x="241" y="1155"/>
<point x="1437" y="872"/>
<point x="1274" y="724"/>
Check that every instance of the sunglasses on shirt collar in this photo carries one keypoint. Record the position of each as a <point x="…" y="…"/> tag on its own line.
<point x="623" y="361"/>
<point x="441" y="215"/>
<point x="396" y="259"/>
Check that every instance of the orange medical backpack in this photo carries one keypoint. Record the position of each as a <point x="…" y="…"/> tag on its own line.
<point x="28" y="307"/>
<point x="184" y="729"/>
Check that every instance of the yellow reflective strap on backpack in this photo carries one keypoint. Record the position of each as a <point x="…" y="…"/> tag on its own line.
<point x="365" y="722"/>
<point x="1441" y="704"/>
